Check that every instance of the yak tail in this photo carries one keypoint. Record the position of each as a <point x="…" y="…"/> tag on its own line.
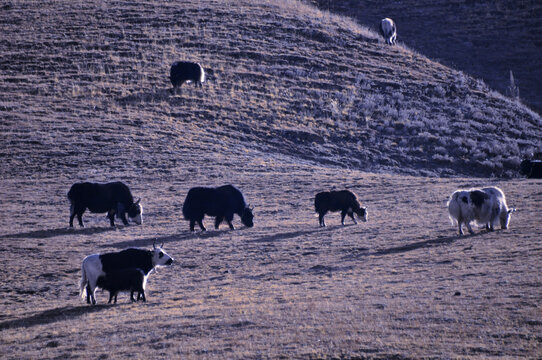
<point x="83" y="283"/>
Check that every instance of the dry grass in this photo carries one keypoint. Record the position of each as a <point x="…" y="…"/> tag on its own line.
<point x="450" y="32"/>
<point x="285" y="288"/>
<point x="297" y="101"/>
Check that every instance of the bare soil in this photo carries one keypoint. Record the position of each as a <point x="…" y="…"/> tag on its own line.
<point x="84" y="95"/>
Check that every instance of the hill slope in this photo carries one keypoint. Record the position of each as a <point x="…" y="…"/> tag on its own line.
<point x="484" y="38"/>
<point x="297" y="102"/>
<point x="87" y="84"/>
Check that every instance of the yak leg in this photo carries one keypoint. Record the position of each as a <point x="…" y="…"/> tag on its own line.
<point x="343" y="214"/>
<point x="121" y="211"/>
<point x="229" y="219"/>
<point x="111" y="217"/>
<point x="192" y="224"/>
<point x="200" y="223"/>
<point x="72" y="214"/>
<point x="460" y="228"/>
<point x="91" y="298"/>
<point x="110" y="297"/>
<point x="77" y="210"/>
<point x="132" y="296"/>
<point x="351" y="214"/>
<point x="142" y="295"/>
<point x="470" y="228"/>
<point x="88" y="293"/>
<point x="321" y="219"/>
<point x="80" y="218"/>
<point x="218" y="220"/>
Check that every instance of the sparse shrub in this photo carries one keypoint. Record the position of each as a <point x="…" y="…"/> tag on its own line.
<point x="442" y="158"/>
<point x="513" y="89"/>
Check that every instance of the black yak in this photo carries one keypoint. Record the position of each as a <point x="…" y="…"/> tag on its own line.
<point x="182" y="71"/>
<point x="344" y="200"/>
<point x="531" y="169"/>
<point x="388" y="31"/>
<point x="111" y="198"/>
<point x="222" y="202"/>
<point x="130" y="279"/>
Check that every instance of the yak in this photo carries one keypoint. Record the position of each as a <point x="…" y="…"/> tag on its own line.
<point x="96" y="265"/>
<point x="221" y="202"/>
<point x="111" y="198"/>
<point x="183" y="71"/>
<point x="485" y="206"/>
<point x="388" y="31"/>
<point x="343" y="200"/>
<point x="531" y="168"/>
<point x="130" y="279"/>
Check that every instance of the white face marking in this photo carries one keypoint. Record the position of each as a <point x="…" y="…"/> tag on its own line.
<point x="160" y="257"/>
<point x="138" y="219"/>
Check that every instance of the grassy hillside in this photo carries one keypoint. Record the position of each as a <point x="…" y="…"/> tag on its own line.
<point x="83" y="82"/>
<point x="484" y="38"/>
<point x="297" y="101"/>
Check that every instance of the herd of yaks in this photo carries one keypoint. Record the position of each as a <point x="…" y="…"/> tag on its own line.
<point x="127" y="270"/>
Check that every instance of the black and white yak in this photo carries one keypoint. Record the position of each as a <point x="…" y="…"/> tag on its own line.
<point x="96" y="265"/>
<point x="130" y="279"/>
<point x="485" y="206"/>
<point x="388" y="31"/>
<point x="221" y="202"/>
<point x="344" y="201"/>
<point x="112" y="198"/>
<point x="183" y="71"/>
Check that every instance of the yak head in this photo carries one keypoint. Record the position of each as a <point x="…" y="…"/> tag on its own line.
<point x="135" y="212"/>
<point x="160" y="257"/>
<point x="362" y="213"/>
<point x="247" y="217"/>
<point x="505" y="218"/>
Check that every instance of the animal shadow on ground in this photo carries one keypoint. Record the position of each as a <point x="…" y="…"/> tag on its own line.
<point x="443" y="240"/>
<point x="48" y="233"/>
<point x="422" y="244"/>
<point x="146" y="242"/>
<point x="51" y="316"/>
<point x="158" y="95"/>
<point x="292" y="234"/>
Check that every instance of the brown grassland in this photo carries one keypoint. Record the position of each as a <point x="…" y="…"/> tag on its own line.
<point x="297" y="101"/>
<point x="485" y="38"/>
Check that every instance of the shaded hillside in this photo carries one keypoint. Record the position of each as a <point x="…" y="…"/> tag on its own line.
<point x="84" y="87"/>
<point x="484" y="38"/>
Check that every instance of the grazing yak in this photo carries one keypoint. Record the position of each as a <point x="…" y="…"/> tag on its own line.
<point x="344" y="200"/>
<point x="531" y="168"/>
<point x="130" y="279"/>
<point x="388" y="31"/>
<point x="111" y="198"/>
<point x="183" y="71"/>
<point x="96" y="265"/>
<point x="484" y="206"/>
<point x="222" y="202"/>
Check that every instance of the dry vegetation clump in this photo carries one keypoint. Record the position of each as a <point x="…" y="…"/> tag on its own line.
<point x="296" y="101"/>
